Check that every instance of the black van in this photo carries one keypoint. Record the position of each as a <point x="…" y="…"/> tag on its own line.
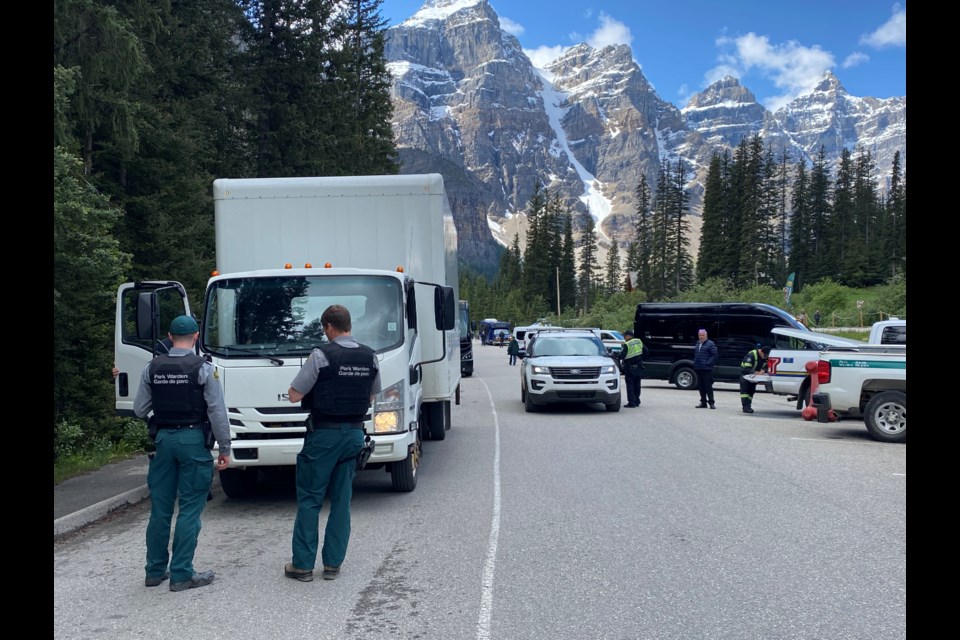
<point x="669" y="331"/>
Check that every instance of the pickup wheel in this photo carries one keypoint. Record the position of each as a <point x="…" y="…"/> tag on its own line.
<point x="685" y="378"/>
<point x="886" y="416"/>
<point x="239" y="483"/>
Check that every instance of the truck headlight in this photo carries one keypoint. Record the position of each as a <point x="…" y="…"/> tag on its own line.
<point x="388" y="409"/>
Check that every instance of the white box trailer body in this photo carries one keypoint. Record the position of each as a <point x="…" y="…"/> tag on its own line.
<point x="384" y="247"/>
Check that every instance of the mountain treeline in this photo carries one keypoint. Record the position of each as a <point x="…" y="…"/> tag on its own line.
<point x="764" y="217"/>
<point x="152" y="102"/>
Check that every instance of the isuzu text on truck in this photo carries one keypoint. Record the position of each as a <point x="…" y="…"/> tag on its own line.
<point x="286" y="249"/>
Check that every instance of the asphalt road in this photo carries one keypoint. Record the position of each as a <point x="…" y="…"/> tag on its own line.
<point x="663" y="522"/>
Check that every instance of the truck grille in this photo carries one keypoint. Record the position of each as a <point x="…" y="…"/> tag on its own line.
<point x="575" y="373"/>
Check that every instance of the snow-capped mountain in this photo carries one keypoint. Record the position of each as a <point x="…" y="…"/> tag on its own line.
<point x="469" y="104"/>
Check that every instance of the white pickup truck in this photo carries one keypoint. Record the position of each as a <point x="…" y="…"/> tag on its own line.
<point x="787" y="358"/>
<point x="868" y="381"/>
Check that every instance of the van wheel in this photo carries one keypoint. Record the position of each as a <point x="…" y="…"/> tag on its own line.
<point x="886" y="416"/>
<point x="685" y="378"/>
<point x="238" y="483"/>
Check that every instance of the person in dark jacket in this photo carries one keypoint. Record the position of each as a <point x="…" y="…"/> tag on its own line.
<point x="183" y="392"/>
<point x="341" y="378"/>
<point x="704" y="360"/>
<point x="513" y="350"/>
<point x="754" y="361"/>
<point x="631" y="363"/>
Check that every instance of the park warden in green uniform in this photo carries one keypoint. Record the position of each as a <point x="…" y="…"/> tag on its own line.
<point x="182" y="390"/>
<point x="342" y="377"/>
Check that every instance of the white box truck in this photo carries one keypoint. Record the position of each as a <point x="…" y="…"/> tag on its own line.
<point x="286" y="249"/>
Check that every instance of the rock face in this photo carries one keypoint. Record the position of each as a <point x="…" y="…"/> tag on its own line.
<point x="470" y="105"/>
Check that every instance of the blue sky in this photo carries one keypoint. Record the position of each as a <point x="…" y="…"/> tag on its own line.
<point x="778" y="50"/>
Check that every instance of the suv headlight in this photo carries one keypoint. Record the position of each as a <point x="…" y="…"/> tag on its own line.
<point x="388" y="409"/>
<point x="540" y="369"/>
<point x="608" y="369"/>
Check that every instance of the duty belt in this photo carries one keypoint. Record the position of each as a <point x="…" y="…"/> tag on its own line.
<point x="178" y="427"/>
<point x="337" y="425"/>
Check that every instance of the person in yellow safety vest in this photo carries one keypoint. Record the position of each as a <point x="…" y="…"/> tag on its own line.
<point x="754" y="361"/>
<point x="631" y="363"/>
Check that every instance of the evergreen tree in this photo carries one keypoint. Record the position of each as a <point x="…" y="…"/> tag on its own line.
<point x="661" y="234"/>
<point x="366" y="146"/>
<point x="640" y="253"/>
<point x="821" y="263"/>
<point x="895" y="235"/>
<point x="845" y="249"/>
<point x="613" y="278"/>
<point x="588" y="257"/>
<point x="800" y="226"/>
<point x="867" y="218"/>
<point x="710" y="254"/>
<point x="88" y="267"/>
<point x="682" y="263"/>
<point x="568" y="266"/>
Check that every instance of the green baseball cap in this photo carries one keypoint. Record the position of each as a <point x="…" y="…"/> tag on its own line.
<point x="183" y="326"/>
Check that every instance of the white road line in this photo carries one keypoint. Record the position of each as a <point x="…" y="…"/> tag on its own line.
<point x="486" y="590"/>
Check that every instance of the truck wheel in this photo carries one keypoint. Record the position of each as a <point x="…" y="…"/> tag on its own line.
<point x="438" y="419"/>
<point x="239" y="483"/>
<point x="403" y="474"/>
<point x="613" y="407"/>
<point x="685" y="378"/>
<point x="886" y="416"/>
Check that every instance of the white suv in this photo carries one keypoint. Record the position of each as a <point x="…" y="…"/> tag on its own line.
<point x="568" y="365"/>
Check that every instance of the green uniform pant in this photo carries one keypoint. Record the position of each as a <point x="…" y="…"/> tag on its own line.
<point x="181" y="467"/>
<point x="326" y="467"/>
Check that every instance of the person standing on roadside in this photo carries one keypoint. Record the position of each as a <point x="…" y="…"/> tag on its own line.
<point x="816" y="318"/>
<point x="182" y="390"/>
<point x="753" y="362"/>
<point x="631" y="362"/>
<point x="513" y="350"/>
<point x="339" y="381"/>
<point x="704" y="360"/>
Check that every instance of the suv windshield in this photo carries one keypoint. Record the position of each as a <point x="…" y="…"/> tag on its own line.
<point x="557" y="345"/>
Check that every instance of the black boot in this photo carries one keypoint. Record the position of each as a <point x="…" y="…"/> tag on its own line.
<point x="746" y="402"/>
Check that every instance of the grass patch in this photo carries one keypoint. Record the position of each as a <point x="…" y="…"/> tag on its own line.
<point x="78" y="464"/>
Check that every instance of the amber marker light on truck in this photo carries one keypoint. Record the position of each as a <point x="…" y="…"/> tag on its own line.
<point x="400" y="269"/>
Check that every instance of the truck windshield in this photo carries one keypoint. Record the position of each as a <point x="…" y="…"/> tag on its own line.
<point x="281" y="315"/>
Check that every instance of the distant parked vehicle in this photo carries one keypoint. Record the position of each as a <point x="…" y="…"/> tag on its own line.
<point x="891" y="331"/>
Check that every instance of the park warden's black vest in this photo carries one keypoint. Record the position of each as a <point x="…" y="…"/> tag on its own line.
<point x="175" y="390"/>
<point x="342" y="390"/>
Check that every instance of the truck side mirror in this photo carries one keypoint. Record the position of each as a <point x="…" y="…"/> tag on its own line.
<point x="445" y="308"/>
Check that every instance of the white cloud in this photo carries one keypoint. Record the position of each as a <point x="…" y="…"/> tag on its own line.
<point x="609" y="32"/>
<point x="513" y="28"/>
<point x="892" y="33"/>
<point x="543" y="55"/>
<point x="791" y="67"/>
<point x="854" y="59"/>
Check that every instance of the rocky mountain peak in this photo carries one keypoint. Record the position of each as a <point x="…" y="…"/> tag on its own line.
<point x="726" y="90"/>
<point x="469" y="104"/>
